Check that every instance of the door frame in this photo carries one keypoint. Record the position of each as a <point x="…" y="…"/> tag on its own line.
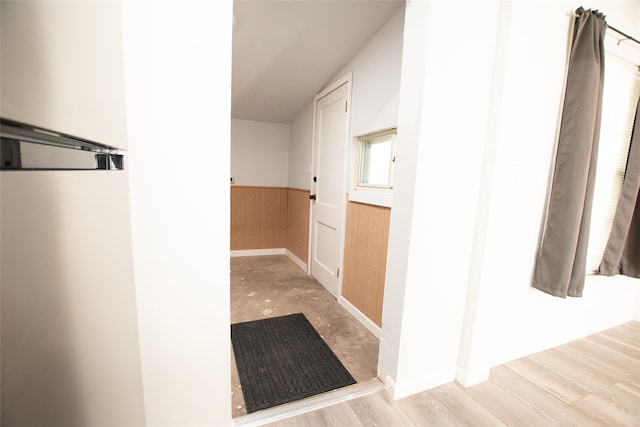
<point x="348" y="80"/>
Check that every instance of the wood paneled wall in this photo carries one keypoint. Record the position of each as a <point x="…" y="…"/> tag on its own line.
<point x="270" y="218"/>
<point x="278" y="217"/>
<point x="365" y="258"/>
<point x="258" y="217"/>
<point x="298" y="223"/>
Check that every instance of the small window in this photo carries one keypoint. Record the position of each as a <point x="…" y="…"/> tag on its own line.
<point x="376" y="158"/>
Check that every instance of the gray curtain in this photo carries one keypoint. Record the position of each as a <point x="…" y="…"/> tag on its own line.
<point x="622" y="253"/>
<point x="561" y="260"/>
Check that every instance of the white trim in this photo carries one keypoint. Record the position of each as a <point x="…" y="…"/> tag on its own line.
<point x="415" y="385"/>
<point x="468" y="378"/>
<point x="275" y="251"/>
<point x="297" y="261"/>
<point x="357" y="160"/>
<point x="292" y="409"/>
<point x="309" y="253"/>
<point x="390" y="386"/>
<point x="360" y="317"/>
<point x="348" y="80"/>
<point x="258" y="252"/>
<point x="371" y="197"/>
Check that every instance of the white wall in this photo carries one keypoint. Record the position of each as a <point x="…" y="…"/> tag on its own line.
<point x="260" y="153"/>
<point x="445" y="100"/>
<point x="177" y="68"/>
<point x="474" y="110"/>
<point x="374" y="97"/>
<point x="509" y="319"/>
<point x="62" y="67"/>
<point x="300" y="148"/>
<point x="376" y="79"/>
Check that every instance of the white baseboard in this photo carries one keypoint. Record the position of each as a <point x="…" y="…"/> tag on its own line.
<point x="258" y="252"/>
<point x="297" y="261"/>
<point x="390" y="386"/>
<point x="275" y="251"/>
<point x="468" y="379"/>
<point x="409" y="388"/>
<point x="368" y="323"/>
<point x="402" y="389"/>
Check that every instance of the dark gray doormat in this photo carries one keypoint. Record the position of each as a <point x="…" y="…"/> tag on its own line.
<point x="284" y="359"/>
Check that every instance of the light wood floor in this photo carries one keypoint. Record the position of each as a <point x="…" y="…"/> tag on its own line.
<point x="594" y="381"/>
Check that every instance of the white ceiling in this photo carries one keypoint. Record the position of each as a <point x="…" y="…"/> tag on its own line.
<point x="286" y="52"/>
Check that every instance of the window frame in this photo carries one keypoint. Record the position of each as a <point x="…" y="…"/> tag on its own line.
<point x="602" y="220"/>
<point x="377" y="196"/>
<point x="360" y="142"/>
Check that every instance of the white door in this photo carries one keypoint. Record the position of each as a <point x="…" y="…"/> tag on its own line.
<point x="330" y="143"/>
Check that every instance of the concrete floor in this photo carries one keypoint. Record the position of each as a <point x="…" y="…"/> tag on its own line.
<point x="271" y="286"/>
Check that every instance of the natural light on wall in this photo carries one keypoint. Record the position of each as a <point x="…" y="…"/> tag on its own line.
<point x="375" y="168"/>
<point x="620" y="97"/>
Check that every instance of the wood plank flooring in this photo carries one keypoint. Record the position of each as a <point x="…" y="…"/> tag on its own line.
<point x="594" y="381"/>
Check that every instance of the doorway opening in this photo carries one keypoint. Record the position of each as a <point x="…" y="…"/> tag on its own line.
<point x="270" y="283"/>
<point x="272" y="163"/>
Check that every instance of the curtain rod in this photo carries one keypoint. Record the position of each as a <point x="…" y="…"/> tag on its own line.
<point x="627" y="37"/>
<point x="610" y="27"/>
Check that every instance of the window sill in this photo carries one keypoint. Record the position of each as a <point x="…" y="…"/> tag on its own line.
<point x="372" y="197"/>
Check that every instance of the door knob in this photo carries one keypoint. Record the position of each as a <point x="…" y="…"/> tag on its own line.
<point x="312" y="197"/>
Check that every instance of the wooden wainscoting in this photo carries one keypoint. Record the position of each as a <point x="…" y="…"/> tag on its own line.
<point x="365" y="258"/>
<point x="298" y="223"/>
<point x="270" y="218"/>
<point x="258" y="217"/>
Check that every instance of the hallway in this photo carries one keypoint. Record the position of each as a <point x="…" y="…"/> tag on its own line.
<point x="271" y="286"/>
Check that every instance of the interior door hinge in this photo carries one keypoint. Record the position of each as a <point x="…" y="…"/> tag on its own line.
<point x="338" y="274"/>
<point x="345" y="106"/>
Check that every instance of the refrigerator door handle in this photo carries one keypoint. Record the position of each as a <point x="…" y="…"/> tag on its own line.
<point x="28" y="148"/>
<point x="25" y="155"/>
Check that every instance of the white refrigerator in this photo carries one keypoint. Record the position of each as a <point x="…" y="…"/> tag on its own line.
<point x="70" y="353"/>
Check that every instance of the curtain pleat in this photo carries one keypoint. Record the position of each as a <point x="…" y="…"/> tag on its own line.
<point x="560" y="266"/>
<point x="622" y="253"/>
